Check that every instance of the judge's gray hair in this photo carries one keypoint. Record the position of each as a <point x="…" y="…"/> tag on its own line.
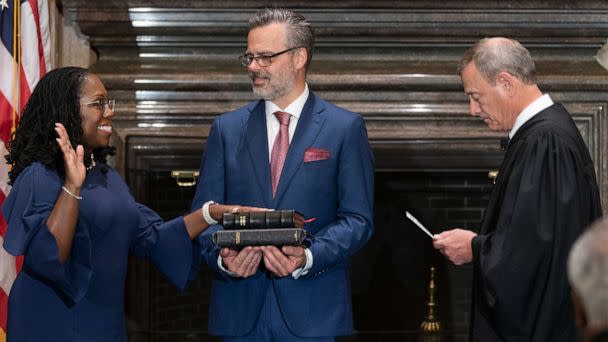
<point x="495" y="55"/>
<point x="300" y="32"/>
<point x="588" y="272"/>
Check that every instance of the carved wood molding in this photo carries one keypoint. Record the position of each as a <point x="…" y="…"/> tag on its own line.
<point x="172" y="68"/>
<point x="418" y="21"/>
<point x="440" y="137"/>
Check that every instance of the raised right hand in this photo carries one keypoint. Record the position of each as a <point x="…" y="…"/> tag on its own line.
<point x="75" y="171"/>
<point x="243" y="263"/>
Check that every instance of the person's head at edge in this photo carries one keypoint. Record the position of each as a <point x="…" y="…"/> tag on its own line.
<point x="73" y="97"/>
<point x="272" y="31"/>
<point x="499" y="78"/>
<point x="588" y="275"/>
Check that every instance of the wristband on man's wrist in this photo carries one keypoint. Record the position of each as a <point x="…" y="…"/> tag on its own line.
<point x="206" y="215"/>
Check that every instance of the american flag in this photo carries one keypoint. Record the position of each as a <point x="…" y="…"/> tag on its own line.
<point x="24" y="58"/>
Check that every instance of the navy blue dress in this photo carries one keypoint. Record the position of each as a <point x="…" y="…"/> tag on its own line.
<point x="83" y="299"/>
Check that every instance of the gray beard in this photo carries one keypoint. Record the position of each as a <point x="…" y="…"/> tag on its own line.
<point x="269" y="94"/>
<point x="277" y="90"/>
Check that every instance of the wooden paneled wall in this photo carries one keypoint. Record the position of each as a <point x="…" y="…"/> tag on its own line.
<point x="172" y="67"/>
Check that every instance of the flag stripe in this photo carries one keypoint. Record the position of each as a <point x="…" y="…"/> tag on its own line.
<point x="36" y="12"/>
<point x="24" y="92"/>
<point x="6" y="121"/>
<point x="4" y="187"/>
<point x="9" y="268"/>
<point x="30" y="54"/>
<point x="7" y="65"/>
<point x="44" y="35"/>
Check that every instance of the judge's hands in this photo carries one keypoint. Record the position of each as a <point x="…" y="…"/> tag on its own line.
<point x="243" y="263"/>
<point x="455" y="244"/>
<point x="75" y="171"/>
<point x="282" y="262"/>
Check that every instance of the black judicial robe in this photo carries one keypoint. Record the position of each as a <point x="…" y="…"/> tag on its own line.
<point x="545" y="196"/>
<point x="602" y="337"/>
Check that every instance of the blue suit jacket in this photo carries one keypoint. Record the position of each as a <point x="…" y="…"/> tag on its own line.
<point x="337" y="191"/>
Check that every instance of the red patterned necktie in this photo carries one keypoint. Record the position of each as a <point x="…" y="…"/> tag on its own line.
<point x="279" y="150"/>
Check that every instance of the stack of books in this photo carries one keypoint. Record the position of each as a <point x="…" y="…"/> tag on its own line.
<point x="267" y="228"/>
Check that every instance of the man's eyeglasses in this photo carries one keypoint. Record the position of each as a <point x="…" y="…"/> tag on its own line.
<point x="102" y="104"/>
<point x="263" y="61"/>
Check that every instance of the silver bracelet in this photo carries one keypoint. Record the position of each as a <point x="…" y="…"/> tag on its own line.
<point x="206" y="215"/>
<point x="70" y="193"/>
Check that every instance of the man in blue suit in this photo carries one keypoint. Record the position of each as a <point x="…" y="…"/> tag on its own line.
<point x="289" y="150"/>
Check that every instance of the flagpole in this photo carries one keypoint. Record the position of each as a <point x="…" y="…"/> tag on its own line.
<point x="17" y="64"/>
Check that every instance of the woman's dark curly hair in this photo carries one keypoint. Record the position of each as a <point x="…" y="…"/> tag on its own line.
<point x="56" y="98"/>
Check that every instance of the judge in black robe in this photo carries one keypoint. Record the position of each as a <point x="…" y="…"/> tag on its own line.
<point x="603" y="337"/>
<point x="545" y="196"/>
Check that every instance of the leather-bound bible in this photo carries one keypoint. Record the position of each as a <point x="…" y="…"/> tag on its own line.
<point x="260" y="237"/>
<point x="263" y="220"/>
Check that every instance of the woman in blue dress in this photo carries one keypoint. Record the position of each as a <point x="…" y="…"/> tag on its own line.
<point x="75" y="221"/>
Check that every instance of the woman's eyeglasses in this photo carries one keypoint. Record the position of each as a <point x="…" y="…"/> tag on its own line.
<point x="103" y="104"/>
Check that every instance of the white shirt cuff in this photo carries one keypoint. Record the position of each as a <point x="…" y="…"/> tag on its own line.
<point x="297" y="273"/>
<point x="219" y="264"/>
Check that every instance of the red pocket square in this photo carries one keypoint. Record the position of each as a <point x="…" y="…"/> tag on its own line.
<point x="314" y="154"/>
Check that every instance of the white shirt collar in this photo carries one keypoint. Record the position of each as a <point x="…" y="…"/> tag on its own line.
<point x="528" y="113"/>
<point x="294" y="108"/>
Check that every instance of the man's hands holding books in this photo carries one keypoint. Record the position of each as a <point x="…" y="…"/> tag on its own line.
<point x="243" y="263"/>
<point x="264" y="236"/>
<point x="282" y="262"/>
